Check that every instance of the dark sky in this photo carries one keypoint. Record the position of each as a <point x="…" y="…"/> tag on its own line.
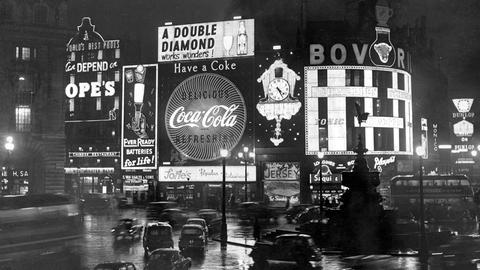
<point x="454" y="26"/>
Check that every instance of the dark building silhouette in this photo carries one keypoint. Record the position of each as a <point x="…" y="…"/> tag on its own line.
<point x="31" y="94"/>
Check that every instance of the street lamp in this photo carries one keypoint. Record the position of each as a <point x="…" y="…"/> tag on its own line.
<point x="246" y="156"/>
<point x="223" y="229"/>
<point x="9" y="146"/>
<point x="320" y="156"/>
<point x="423" y="252"/>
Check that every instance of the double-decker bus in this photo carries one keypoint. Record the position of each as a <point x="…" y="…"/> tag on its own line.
<point x="448" y="200"/>
<point x="37" y="231"/>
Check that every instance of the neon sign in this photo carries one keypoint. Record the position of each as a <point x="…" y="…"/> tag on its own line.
<point x="205" y="112"/>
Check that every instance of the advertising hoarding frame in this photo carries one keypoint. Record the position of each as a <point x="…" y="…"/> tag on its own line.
<point x="155" y="165"/>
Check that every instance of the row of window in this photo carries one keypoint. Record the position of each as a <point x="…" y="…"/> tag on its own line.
<point x="356" y="77"/>
<point x="98" y="104"/>
<point x="40" y="13"/>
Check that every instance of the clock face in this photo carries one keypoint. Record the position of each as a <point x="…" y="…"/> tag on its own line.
<point x="278" y="89"/>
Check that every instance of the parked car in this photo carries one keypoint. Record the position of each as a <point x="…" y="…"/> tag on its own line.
<point x="154" y="209"/>
<point x="127" y="228"/>
<point x="290" y="251"/>
<point x="293" y="211"/>
<point x="192" y="237"/>
<point x="167" y="259"/>
<point x="115" y="266"/>
<point x="95" y="202"/>
<point x="157" y="235"/>
<point x="249" y="211"/>
<point x="199" y="221"/>
<point x="213" y="219"/>
<point x="174" y="216"/>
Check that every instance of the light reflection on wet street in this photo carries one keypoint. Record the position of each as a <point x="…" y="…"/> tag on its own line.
<point x="98" y="246"/>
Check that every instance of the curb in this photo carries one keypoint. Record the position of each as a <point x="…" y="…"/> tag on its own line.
<point x="234" y="243"/>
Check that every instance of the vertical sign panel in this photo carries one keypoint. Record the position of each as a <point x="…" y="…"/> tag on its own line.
<point x="139" y="117"/>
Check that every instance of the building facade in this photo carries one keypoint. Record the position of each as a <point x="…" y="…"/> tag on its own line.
<point x="32" y="104"/>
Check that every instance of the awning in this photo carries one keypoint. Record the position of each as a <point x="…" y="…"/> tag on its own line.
<point x="282" y="188"/>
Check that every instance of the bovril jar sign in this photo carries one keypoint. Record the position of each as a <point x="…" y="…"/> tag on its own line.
<point x="205" y="113"/>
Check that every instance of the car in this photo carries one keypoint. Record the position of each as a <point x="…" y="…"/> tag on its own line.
<point x="192" y="237"/>
<point x="199" y="221"/>
<point x="115" y="266"/>
<point x="167" y="259"/>
<point x="290" y="250"/>
<point x="157" y="235"/>
<point x="309" y="214"/>
<point x="212" y="217"/>
<point x="249" y="211"/>
<point x="174" y="216"/>
<point x="293" y="211"/>
<point x="95" y="202"/>
<point x="154" y="209"/>
<point x="122" y="202"/>
<point x="127" y="228"/>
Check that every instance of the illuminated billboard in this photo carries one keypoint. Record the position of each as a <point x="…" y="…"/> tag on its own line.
<point x="331" y="125"/>
<point x="210" y="40"/>
<point x="139" y="117"/>
<point x="205" y="113"/>
<point x="93" y="70"/>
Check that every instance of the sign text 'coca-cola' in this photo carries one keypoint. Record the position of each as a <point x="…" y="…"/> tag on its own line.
<point x="215" y="116"/>
<point x="206" y="112"/>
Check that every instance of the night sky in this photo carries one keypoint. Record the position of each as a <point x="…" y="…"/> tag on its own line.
<point x="453" y="26"/>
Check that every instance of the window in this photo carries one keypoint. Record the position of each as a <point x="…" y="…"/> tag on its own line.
<point x="40" y="14"/>
<point x="71" y="103"/>
<point x="99" y="104"/>
<point x="23" y="118"/>
<point x="25" y="53"/>
<point x="401" y="81"/>
<point x="354" y="77"/>
<point x="6" y="11"/>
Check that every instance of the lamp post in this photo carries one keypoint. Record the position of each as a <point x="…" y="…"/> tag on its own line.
<point x="223" y="228"/>
<point x="423" y="252"/>
<point x="9" y="146"/>
<point x="320" y="156"/>
<point x="246" y="156"/>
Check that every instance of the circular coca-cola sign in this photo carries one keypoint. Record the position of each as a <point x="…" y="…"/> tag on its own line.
<point x="205" y="113"/>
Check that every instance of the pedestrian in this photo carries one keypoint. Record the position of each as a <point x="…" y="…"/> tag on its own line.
<point x="256" y="230"/>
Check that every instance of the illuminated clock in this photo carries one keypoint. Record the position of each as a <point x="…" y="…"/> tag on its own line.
<point x="278" y="89"/>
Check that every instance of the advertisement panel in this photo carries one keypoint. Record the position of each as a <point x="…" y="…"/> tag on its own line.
<point x="139" y="117"/>
<point x="281" y="171"/>
<point x="93" y="70"/>
<point x="204" y="100"/>
<point x="279" y="100"/>
<point x="210" y="40"/>
<point x="205" y="113"/>
<point x="204" y="109"/>
<point x="205" y="174"/>
<point x="331" y="117"/>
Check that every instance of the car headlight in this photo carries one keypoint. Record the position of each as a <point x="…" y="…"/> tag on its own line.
<point x="315" y="264"/>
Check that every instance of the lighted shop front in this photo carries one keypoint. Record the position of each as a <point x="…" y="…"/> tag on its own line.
<point x="200" y="186"/>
